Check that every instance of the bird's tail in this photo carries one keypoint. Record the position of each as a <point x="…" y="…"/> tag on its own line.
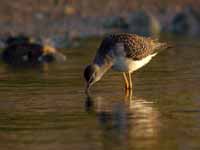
<point x="163" y="45"/>
<point x="160" y="46"/>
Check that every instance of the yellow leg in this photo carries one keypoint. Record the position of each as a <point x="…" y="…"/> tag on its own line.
<point x="128" y="91"/>
<point x="126" y="84"/>
<point x="126" y="81"/>
<point x="128" y="97"/>
<point x="130" y="81"/>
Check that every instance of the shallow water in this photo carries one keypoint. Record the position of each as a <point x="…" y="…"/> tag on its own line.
<point x="46" y="108"/>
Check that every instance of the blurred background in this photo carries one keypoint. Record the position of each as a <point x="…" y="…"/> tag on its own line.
<point x="45" y="108"/>
<point x="66" y="20"/>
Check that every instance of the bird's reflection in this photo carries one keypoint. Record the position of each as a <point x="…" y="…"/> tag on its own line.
<point x="89" y="104"/>
<point x="125" y="122"/>
<point x="112" y="122"/>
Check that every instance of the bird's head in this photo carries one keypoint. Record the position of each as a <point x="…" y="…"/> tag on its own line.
<point x="91" y="75"/>
<point x="50" y="53"/>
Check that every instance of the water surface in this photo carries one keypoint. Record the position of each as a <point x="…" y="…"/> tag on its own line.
<point x="46" y="108"/>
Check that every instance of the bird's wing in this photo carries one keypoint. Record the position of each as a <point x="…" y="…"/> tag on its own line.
<point x="137" y="47"/>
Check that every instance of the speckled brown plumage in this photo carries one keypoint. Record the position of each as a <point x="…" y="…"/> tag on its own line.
<point x="135" y="47"/>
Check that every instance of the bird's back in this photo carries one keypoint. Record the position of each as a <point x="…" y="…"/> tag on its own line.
<point x="133" y="46"/>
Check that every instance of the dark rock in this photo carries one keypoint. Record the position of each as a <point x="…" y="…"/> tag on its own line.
<point x="15" y="40"/>
<point x="186" y="22"/>
<point x="20" y="51"/>
<point x="144" y="24"/>
<point x="116" y="22"/>
<point x="180" y="24"/>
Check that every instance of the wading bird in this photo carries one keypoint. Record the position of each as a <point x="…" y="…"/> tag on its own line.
<point x="124" y="53"/>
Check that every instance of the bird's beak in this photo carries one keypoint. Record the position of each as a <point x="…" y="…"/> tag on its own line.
<point x="87" y="89"/>
<point x="59" y="57"/>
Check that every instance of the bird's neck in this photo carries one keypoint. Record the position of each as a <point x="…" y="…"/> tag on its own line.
<point x="103" y="68"/>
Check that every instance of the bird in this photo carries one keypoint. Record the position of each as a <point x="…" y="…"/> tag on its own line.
<point x="21" y="50"/>
<point x="122" y="52"/>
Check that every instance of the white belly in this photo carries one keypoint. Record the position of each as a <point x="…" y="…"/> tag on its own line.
<point x="123" y="64"/>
